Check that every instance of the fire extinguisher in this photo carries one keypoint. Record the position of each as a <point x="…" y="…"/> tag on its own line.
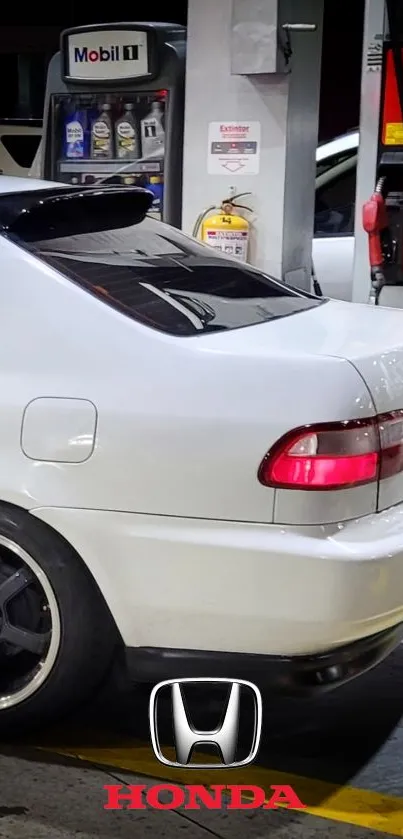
<point x="225" y="231"/>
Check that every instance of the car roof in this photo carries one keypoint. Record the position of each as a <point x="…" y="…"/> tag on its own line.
<point x="8" y="184"/>
<point x="346" y="142"/>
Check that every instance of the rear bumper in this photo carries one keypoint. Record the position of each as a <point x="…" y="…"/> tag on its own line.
<point x="299" y="675"/>
<point x="248" y="589"/>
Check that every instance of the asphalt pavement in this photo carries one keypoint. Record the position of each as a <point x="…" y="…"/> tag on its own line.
<point x="342" y="754"/>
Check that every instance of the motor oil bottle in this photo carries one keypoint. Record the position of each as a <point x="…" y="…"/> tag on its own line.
<point x="126" y="135"/>
<point x="102" y="135"/>
<point x="74" y="135"/>
<point x="156" y="186"/>
<point x="152" y="131"/>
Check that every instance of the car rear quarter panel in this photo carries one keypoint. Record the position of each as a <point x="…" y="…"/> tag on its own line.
<point x="182" y="424"/>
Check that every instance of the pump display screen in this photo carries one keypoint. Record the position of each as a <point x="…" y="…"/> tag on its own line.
<point x="110" y="138"/>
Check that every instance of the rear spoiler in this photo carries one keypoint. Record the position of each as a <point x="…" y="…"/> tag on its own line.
<point x="69" y="211"/>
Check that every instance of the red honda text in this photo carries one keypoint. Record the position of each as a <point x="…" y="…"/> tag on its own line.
<point x="195" y="796"/>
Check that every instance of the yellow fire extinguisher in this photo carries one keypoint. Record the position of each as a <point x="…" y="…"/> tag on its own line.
<point x="225" y="231"/>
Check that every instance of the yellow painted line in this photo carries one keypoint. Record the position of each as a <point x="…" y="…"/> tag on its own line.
<point x="362" y="808"/>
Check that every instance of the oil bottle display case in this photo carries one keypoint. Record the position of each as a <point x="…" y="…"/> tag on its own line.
<point x="114" y="110"/>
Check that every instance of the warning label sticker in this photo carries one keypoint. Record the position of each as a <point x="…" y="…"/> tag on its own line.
<point x="233" y="148"/>
<point x="232" y="242"/>
<point x="394" y="134"/>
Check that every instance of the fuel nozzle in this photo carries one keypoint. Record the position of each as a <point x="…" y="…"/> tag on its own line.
<point x="375" y="224"/>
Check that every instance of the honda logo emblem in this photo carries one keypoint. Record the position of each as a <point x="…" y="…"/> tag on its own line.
<point x="224" y="737"/>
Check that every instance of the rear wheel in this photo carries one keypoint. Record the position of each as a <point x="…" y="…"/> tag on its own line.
<point x="57" y="637"/>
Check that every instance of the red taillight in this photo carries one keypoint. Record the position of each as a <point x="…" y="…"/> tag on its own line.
<point x="336" y="455"/>
<point x="391" y="443"/>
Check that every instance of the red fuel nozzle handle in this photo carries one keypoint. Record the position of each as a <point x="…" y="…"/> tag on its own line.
<point x="374" y="221"/>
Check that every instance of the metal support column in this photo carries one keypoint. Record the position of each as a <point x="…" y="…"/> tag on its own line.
<point x="256" y="64"/>
<point x="371" y="80"/>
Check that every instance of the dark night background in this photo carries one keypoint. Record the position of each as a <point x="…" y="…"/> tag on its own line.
<point x="25" y="52"/>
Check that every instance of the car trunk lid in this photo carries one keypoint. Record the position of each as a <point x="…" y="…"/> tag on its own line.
<point x="370" y="338"/>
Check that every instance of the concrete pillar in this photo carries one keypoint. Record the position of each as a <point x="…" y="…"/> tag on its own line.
<point x="237" y="74"/>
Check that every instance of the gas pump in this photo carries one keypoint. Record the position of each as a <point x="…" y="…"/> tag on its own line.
<point x="382" y="213"/>
<point x="114" y="107"/>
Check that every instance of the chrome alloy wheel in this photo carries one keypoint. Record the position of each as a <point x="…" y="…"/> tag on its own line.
<point x="30" y="625"/>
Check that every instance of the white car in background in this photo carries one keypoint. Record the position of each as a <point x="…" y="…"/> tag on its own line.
<point x="333" y="244"/>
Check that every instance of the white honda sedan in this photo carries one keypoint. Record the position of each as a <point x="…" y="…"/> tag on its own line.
<point x="333" y="244"/>
<point x="200" y="465"/>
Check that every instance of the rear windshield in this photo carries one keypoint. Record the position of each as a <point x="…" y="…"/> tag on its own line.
<point x="168" y="281"/>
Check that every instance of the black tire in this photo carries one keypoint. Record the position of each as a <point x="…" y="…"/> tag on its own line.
<point x="88" y="636"/>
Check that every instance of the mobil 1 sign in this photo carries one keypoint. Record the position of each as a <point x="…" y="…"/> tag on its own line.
<point x="107" y="54"/>
<point x="233" y="148"/>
